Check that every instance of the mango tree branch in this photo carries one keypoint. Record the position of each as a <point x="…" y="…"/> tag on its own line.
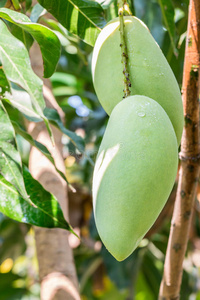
<point x="189" y="156"/>
<point x="123" y="7"/>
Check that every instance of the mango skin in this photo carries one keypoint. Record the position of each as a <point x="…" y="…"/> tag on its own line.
<point x="150" y="73"/>
<point x="134" y="173"/>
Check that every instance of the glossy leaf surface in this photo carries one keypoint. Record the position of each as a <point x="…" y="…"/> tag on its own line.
<point x="54" y="119"/>
<point x="4" y="84"/>
<point x="45" y="210"/>
<point x="46" y="38"/>
<point x="81" y="17"/>
<point x="16" y="64"/>
<point x="38" y="145"/>
<point x="168" y="16"/>
<point x="10" y="160"/>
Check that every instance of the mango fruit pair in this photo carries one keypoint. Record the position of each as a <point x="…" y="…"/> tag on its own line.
<point x="137" y="161"/>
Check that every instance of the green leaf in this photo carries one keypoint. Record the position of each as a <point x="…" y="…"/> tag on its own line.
<point x="64" y="91"/>
<point x="105" y="3"/>
<point x="83" y="18"/>
<point x="4" y="84"/>
<point x="54" y="118"/>
<point x="45" y="210"/>
<point x="28" y="4"/>
<point x="168" y="16"/>
<point x="38" y="145"/>
<point x="17" y="67"/>
<point x="151" y="273"/>
<point x="16" y="4"/>
<point x="2" y="3"/>
<point x="46" y="38"/>
<point x="21" y="35"/>
<point x="122" y="274"/>
<point x="142" y="289"/>
<point x="10" y="160"/>
<point x="22" y="101"/>
<point x="64" y="78"/>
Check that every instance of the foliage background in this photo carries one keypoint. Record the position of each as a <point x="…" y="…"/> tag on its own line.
<point x="100" y="276"/>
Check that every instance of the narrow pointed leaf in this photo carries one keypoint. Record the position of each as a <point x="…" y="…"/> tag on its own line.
<point x="16" y="64"/>
<point x="10" y="160"/>
<point x="45" y="210"/>
<point x="4" y="84"/>
<point x="46" y="38"/>
<point x="17" y="67"/>
<point x="21" y="35"/>
<point x="21" y="100"/>
<point x="28" y="4"/>
<point x="168" y="16"/>
<point x="38" y="145"/>
<point x="54" y="118"/>
<point x="83" y="18"/>
<point x="16" y="4"/>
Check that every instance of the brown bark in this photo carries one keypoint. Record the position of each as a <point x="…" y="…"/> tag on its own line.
<point x="189" y="171"/>
<point x="56" y="266"/>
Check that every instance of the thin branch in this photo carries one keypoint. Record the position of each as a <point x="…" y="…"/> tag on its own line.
<point x="189" y="156"/>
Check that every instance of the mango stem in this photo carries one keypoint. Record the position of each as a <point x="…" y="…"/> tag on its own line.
<point x="124" y="9"/>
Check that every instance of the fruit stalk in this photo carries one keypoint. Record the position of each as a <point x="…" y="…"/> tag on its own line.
<point x="127" y="83"/>
<point x="189" y="157"/>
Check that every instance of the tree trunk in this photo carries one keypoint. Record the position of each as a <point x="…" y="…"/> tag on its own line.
<point x="56" y="266"/>
<point x="189" y="156"/>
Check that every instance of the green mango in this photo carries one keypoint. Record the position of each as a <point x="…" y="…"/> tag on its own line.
<point x="134" y="173"/>
<point x="149" y="71"/>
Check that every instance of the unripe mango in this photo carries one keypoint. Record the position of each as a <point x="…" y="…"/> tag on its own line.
<point x="134" y="173"/>
<point x="150" y="73"/>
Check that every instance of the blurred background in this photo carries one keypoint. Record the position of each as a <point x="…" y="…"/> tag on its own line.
<point x="100" y="276"/>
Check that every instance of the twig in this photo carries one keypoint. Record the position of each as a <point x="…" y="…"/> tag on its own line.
<point x="123" y="7"/>
<point x="189" y="170"/>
